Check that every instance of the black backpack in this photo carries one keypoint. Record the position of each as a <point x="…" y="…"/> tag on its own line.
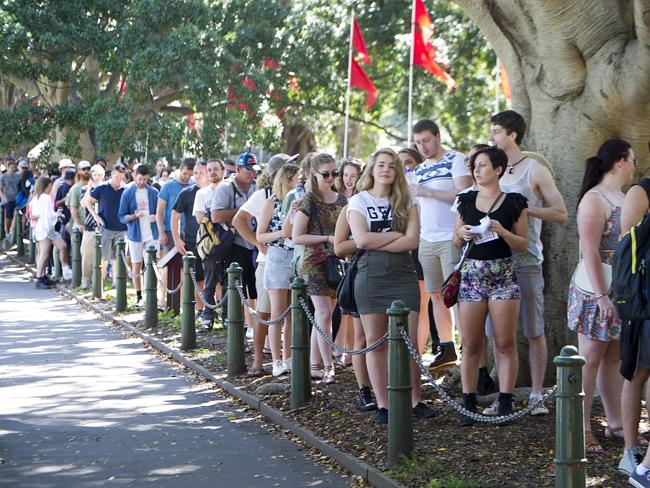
<point x="631" y="269"/>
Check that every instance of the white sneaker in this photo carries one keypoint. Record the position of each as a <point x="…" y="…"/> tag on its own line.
<point x="492" y="409"/>
<point x="279" y="368"/>
<point x="84" y="284"/>
<point x="249" y="333"/>
<point x="66" y="271"/>
<point x="287" y="365"/>
<point x="631" y="458"/>
<point x="540" y="409"/>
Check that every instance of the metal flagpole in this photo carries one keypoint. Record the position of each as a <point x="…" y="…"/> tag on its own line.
<point x="497" y="88"/>
<point x="347" y="94"/>
<point x="410" y="101"/>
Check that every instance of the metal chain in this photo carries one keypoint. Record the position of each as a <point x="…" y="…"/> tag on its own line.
<point x="253" y="313"/>
<point x="487" y="419"/>
<point x="126" y="264"/>
<point x="162" y="283"/>
<point x="200" y="293"/>
<point x="331" y="342"/>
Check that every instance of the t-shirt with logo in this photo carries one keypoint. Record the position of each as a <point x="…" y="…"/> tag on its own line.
<point x="142" y="203"/>
<point x="436" y="221"/>
<point x="375" y="210"/>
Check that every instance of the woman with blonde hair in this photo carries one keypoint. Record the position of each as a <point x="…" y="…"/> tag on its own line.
<point x="278" y="271"/>
<point x="313" y="227"/>
<point x="384" y="222"/>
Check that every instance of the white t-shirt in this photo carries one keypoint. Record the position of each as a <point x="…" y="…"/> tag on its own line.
<point x="44" y="210"/>
<point x="376" y="211"/>
<point x="254" y="207"/>
<point x="437" y="222"/>
<point x="142" y="202"/>
<point x="202" y="200"/>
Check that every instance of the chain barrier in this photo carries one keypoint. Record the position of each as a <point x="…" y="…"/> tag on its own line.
<point x="253" y="313"/>
<point x="331" y="342"/>
<point x="160" y="280"/>
<point x="200" y="293"/>
<point x="129" y="269"/>
<point x="487" y="419"/>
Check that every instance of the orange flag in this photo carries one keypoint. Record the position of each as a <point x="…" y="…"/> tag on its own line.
<point x="359" y="79"/>
<point x="424" y="53"/>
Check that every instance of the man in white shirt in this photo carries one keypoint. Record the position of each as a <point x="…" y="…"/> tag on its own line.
<point x="437" y="181"/>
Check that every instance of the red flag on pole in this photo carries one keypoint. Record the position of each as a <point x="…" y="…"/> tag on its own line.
<point x="122" y="90"/>
<point x="505" y="82"/>
<point x="359" y="79"/>
<point x="424" y="53"/>
<point x="359" y="43"/>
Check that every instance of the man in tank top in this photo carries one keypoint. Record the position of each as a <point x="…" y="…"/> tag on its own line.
<point x="545" y="203"/>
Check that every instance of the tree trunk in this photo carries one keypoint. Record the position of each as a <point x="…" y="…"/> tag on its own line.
<point x="297" y="138"/>
<point x="579" y="73"/>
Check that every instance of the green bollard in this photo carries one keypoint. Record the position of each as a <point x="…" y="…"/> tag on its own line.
<point x="400" y="416"/>
<point x="570" y="460"/>
<point x="31" y="250"/>
<point x="98" y="286"/>
<point x="300" y="374"/>
<point x="75" y="258"/>
<point x="120" y="276"/>
<point x="58" y="269"/>
<point x="235" y="321"/>
<point x="188" y="319"/>
<point x="150" y="290"/>
<point x="20" y="244"/>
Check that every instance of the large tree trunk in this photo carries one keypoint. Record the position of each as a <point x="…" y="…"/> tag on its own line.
<point x="580" y="74"/>
<point x="297" y="138"/>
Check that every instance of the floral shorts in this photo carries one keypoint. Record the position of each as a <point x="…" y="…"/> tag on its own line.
<point x="492" y="279"/>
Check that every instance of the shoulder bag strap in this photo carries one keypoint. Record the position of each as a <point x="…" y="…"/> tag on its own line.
<point x="468" y="247"/>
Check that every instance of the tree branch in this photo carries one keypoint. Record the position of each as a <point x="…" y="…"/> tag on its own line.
<point x="161" y="100"/>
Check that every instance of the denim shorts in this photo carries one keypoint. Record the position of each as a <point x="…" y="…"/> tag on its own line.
<point x="491" y="279"/>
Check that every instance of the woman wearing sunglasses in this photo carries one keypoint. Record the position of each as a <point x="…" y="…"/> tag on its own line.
<point x="314" y="228"/>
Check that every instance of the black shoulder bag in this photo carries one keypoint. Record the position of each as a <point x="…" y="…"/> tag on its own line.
<point x="333" y="265"/>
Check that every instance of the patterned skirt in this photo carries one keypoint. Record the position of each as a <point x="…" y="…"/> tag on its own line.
<point x="583" y="316"/>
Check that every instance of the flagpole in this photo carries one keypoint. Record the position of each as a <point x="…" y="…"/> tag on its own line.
<point x="497" y="88"/>
<point x="410" y="100"/>
<point x="347" y="93"/>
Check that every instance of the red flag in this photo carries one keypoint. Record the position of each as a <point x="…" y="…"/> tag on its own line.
<point x="359" y="79"/>
<point x="504" y="82"/>
<point x="271" y="64"/>
<point x="424" y="53"/>
<point x="359" y="43"/>
<point x="122" y="90"/>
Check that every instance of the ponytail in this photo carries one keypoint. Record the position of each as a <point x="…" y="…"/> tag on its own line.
<point x="597" y="166"/>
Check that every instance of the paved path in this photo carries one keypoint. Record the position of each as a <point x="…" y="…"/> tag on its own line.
<point x="83" y="406"/>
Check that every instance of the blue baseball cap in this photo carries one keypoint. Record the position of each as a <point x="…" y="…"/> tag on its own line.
<point x="248" y="160"/>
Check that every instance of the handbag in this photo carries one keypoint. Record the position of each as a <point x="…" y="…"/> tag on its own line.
<point x="333" y="267"/>
<point x="581" y="279"/>
<point x="345" y="290"/>
<point x="451" y="286"/>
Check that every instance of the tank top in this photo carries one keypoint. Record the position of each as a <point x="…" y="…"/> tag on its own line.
<point x="533" y="256"/>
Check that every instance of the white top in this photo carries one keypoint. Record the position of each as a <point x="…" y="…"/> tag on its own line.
<point x="202" y="200"/>
<point x="43" y="209"/>
<point x="254" y="207"/>
<point x="142" y="202"/>
<point x="437" y="222"/>
<point x="376" y="211"/>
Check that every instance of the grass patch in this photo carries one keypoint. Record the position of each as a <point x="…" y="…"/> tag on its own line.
<point x="168" y="318"/>
<point x="423" y="472"/>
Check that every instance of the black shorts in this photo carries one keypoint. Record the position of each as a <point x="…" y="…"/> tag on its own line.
<point x="644" y="346"/>
<point x="198" y="262"/>
<point x="243" y="257"/>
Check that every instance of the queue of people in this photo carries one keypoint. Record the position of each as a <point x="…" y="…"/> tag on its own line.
<point x="406" y="221"/>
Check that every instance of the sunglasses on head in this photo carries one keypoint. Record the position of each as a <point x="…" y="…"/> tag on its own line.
<point x="327" y="174"/>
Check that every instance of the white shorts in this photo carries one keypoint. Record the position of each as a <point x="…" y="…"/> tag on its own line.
<point x="137" y="249"/>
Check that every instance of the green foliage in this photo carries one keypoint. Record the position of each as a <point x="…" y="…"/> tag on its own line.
<point x="167" y="318"/>
<point x="425" y="472"/>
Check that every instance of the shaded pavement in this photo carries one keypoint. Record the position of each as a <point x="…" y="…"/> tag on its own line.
<point x="83" y="406"/>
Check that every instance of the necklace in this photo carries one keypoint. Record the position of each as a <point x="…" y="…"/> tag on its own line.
<point x="512" y="166"/>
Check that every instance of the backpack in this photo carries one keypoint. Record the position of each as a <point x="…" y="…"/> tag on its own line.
<point x="214" y="241"/>
<point x="631" y="269"/>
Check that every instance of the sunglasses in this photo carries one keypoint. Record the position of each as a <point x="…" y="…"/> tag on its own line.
<point x="327" y="174"/>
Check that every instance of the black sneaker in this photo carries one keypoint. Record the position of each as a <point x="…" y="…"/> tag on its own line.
<point x="206" y="325"/>
<point x="445" y="357"/>
<point x="197" y="315"/>
<point x="366" y="403"/>
<point x="486" y="384"/>
<point x="381" y="418"/>
<point x="469" y="402"/>
<point x="506" y="406"/>
<point x="422" y="411"/>
<point x="50" y="281"/>
<point x="41" y="284"/>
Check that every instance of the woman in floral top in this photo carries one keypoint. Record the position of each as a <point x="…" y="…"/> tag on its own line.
<point x="314" y="228"/>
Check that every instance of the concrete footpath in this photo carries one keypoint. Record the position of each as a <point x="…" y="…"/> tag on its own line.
<point x="83" y="406"/>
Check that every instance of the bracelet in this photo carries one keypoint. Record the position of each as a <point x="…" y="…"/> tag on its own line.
<point x="600" y="296"/>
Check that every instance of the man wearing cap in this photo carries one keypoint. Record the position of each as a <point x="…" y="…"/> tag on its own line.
<point x="138" y="212"/>
<point x="227" y="198"/>
<point x="8" y="192"/>
<point x="107" y="197"/>
<point x="243" y="220"/>
<point x="78" y="213"/>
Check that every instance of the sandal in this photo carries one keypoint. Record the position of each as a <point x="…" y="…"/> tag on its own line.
<point x="592" y="444"/>
<point x="255" y="373"/>
<point x="316" y="372"/>
<point x="612" y="433"/>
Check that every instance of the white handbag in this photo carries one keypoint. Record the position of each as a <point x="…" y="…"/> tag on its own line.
<point x="582" y="282"/>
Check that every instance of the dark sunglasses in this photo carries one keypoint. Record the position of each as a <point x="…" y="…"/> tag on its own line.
<point x="327" y="174"/>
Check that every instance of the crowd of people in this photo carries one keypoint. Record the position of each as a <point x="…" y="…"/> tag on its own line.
<point x="406" y="221"/>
